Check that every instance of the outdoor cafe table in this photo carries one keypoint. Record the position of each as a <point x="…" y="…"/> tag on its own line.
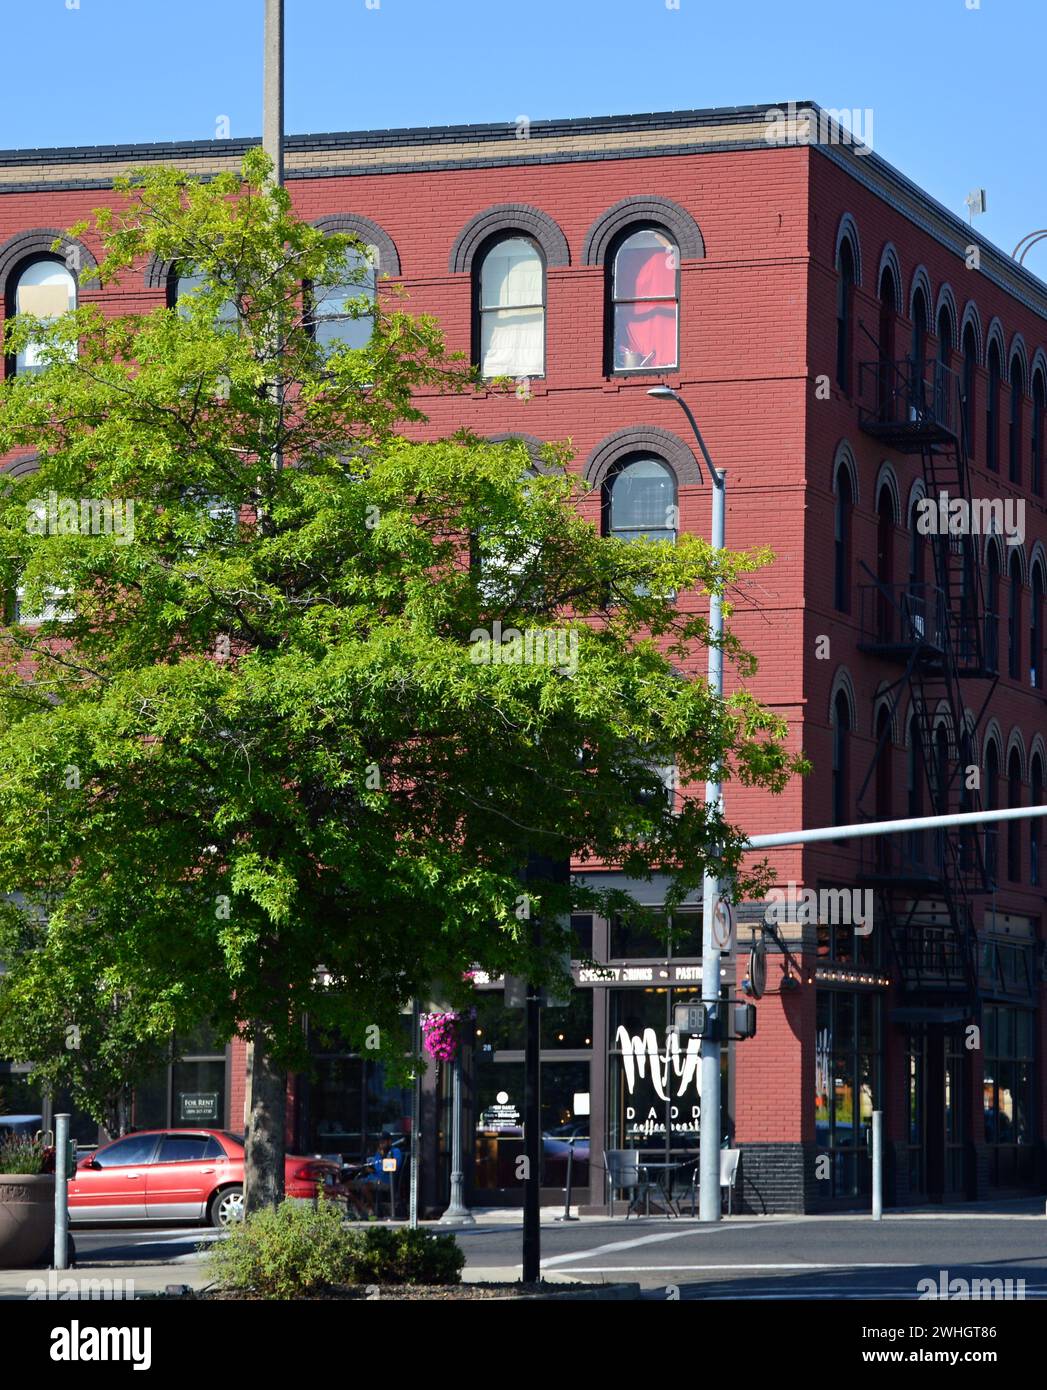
<point x="663" y="1171"/>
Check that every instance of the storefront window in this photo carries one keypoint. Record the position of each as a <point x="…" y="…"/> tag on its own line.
<point x="498" y="1092"/>
<point x="1008" y="1093"/>
<point x="346" y="1102"/>
<point x="655" y="1076"/>
<point x="498" y="1088"/>
<point x="190" y="1092"/>
<point x="847" y="1082"/>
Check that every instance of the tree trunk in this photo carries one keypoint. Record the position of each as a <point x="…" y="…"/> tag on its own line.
<point x="264" y="1141"/>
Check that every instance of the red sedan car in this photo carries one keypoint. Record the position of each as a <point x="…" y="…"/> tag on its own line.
<point x="180" y="1175"/>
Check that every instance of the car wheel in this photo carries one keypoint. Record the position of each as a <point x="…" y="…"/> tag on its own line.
<point x="227" y="1207"/>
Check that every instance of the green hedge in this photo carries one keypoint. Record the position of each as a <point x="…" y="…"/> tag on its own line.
<point x="297" y="1250"/>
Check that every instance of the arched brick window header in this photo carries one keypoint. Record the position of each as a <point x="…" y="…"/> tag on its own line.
<point x="507" y="219"/>
<point x="532" y="444"/>
<point x="20" y="467"/>
<point x="369" y="233"/>
<point x="158" y="272"/>
<point x="642" y="439"/>
<point x="27" y="246"/>
<point x="630" y="212"/>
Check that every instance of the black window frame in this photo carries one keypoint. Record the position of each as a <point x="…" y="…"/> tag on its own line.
<point x="970" y="379"/>
<point x="840" y="782"/>
<point x="312" y="318"/>
<point x="846" y="271"/>
<point x="483" y="251"/>
<point x="611" y="478"/>
<point x="1036" y="614"/>
<point x="10" y="360"/>
<point x="1014" y="421"/>
<point x="843" y="510"/>
<point x="1014" y="618"/>
<point x="611" y="301"/>
<point x="992" y="409"/>
<point x="1014" y="827"/>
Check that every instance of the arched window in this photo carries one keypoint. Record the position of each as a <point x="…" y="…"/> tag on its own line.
<point x="1036" y="672"/>
<point x="1014" y="827"/>
<point x="644" y="298"/>
<point x="511" y="309"/>
<point x="884" y="786"/>
<point x="184" y="283"/>
<point x="941" y="787"/>
<point x="337" y="312"/>
<point x="914" y="788"/>
<point x="639" y="501"/>
<point x="1014" y="618"/>
<point x="1035" y="822"/>
<point x="1036" y="442"/>
<point x="841" y="760"/>
<point x="968" y="835"/>
<point x="992" y="611"/>
<point x="970" y="371"/>
<point x="842" y="534"/>
<point x="1014" y="425"/>
<point x="942" y="377"/>
<point x="888" y="312"/>
<point x="919" y="349"/>
<point x="992" y="410"/>
<point x="844" y="313"/>
<point x="45" y="289"/>
<point x="885" y="562"/>
<point x="992" y="803"/>
<point x="916" y="600"/>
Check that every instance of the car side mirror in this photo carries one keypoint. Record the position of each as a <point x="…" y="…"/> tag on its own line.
<point x="90" y="1163"/>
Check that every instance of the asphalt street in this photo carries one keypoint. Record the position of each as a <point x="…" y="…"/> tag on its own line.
<point x="848" y="1257"/>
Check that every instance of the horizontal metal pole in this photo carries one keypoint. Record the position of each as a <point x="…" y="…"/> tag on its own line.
<point x="892" y="827"/>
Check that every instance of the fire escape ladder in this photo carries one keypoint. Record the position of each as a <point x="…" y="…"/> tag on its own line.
<point x="926" y="885"/>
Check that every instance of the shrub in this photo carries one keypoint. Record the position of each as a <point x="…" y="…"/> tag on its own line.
<point x="297" y="1250"/>
<point x="19" y="1154"/>
<point x="398" y="1255"/>
<point x="284" y="1253"/>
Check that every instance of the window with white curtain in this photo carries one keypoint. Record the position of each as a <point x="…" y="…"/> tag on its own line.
<point x="47" y="290"/>
<point x="512" y="309"/>
<point x="337" y="318"/>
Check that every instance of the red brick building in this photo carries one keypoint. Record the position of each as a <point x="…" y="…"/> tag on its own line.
<point x="850" y="347"/>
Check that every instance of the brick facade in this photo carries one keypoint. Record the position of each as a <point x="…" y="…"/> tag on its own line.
<point x="759" y="229"/>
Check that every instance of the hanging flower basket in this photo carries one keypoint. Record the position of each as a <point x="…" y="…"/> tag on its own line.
<point x="440" y="1034"/>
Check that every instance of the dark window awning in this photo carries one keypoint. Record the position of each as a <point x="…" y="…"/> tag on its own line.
<point x="941" y="1014"/>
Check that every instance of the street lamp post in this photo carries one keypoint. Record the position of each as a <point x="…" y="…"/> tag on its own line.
<point x="709" y="1128"/>
<point x="457" y="1213"/>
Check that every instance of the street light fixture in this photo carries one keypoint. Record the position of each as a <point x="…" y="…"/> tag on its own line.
<point x="709" y="1131"/>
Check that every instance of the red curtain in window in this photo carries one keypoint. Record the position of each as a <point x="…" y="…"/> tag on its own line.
<point x="649" y="328"/>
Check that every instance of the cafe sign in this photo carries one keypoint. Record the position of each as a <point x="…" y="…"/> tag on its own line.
<point x="662" y="1082"/>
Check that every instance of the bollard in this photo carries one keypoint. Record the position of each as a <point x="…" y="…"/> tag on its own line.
<point x="877" y="1161"/>
<point x="61" y="1257"/>
<point x="567" y="1191"/>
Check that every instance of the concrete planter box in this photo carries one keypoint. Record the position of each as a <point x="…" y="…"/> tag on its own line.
<point x="27" y="1219"/>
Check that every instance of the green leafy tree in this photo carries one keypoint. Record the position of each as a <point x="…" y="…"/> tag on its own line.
<point x="256" y="767"/>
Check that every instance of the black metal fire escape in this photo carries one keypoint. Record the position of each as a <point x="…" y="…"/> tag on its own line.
<point x="940" y="639"/>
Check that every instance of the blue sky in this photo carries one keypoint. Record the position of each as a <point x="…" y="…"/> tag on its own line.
<point x="954" y="92"/>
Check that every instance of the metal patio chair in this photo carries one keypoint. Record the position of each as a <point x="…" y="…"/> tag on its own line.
<point x="728" y="1172"/>
<point x="624" y="1171"/>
